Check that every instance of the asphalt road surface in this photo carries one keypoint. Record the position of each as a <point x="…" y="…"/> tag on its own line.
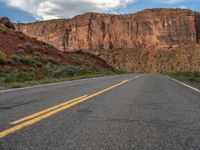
<point x="122" y="112"/>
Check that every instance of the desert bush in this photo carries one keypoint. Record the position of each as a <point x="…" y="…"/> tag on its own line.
<point x="37" y="54"/>
<point x="37" y="58"/>
<point x="29" y="46"/>
<point x="36" y="48"/>
<point x="28" y="76"/>
<point x="25" y="59"/>
<point x="34" y="61"/>
<point x="64" y="70"/>
<point x="52" y="60"/>
<point x="21" y="51"/>
<point x="3" y="59"/>
<point x="12" y="76"/>
<point x="16" y="58"/>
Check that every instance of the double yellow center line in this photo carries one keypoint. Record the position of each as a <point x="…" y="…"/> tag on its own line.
<point x="36" y="117"/>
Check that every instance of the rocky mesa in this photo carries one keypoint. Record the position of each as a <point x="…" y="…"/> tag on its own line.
<point x="153" y="40"/>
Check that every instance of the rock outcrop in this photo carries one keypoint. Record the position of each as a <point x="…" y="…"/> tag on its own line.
<point x="7" y="23"/>
<point x="146" y="33"/>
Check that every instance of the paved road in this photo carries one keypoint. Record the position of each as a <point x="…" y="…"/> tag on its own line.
<point x="147" y="112"/>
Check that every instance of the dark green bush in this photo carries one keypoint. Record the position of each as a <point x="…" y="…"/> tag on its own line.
<point x="28" y="76"/>
<point x="52" y="60"/>
<point x="27" y="60"/>
<point x="34" y="61"/>
<point x="29" y="46"/>
<point x="16" y="58"/>
<point x="63" y="71"/>
<point x="12" y="76"/>
<point x="37" y="61"/>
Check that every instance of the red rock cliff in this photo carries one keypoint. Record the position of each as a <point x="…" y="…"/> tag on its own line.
<point x="198" y="26"/>
<point x="104" y="35"/>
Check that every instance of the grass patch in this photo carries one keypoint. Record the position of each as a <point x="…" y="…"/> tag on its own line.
<point x="12" y="76"/>
<point x="29" y="46"/>
<point x="35" y="69"/>
<point x="64" y="70"/>
<point x="52" y="60"/>
<point x="25" y="59"/>
<point x="50" y="80"/>
<point x="34" y="61"/>
<point x="186" y="76"/>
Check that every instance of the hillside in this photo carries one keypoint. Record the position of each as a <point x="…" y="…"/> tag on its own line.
<point x="153" y="40"/>
<point x="25" y="59"/>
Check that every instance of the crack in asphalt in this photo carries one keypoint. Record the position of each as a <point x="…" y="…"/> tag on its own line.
<point x="11" y="106"/>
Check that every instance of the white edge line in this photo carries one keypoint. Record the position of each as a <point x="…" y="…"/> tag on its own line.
<point x="30" y="87"/>
<point x="195" y="89"/>
<point x="50" y="84"/>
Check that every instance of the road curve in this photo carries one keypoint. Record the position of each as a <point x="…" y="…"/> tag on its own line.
<point x="121" y="112"/>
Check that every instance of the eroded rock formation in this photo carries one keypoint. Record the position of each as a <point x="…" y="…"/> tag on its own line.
<point x="146" y="33"/>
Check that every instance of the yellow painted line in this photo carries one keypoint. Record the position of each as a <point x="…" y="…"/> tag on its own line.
<point x="59" y="109"/>
<point x="46" y="110"/>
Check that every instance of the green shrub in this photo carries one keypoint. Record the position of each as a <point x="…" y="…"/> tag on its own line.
<point x="26" y="59"/>
<point x="63" y="71"/>
<point x="28" y="76"/>
<point x="52" y="60"/>
<point x="12" y="76"/>
<point x="16" y="58"/>
<point x="21" y="51"/>
<point x="3" y="59"/>
<point x="186" y="76"/>
<point x="37" y="54"/>
<point x="36" y="48"/>
<point x="37" y="58"/>
<point x="34" y="61"/>
<point x="29" y="46"/>
<point x="36" y="64"/>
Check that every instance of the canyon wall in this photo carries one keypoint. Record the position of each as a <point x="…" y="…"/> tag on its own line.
<point x="146" y="33"/>
<point x="198" y="26"/>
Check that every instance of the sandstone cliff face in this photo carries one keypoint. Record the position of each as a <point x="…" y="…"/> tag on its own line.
<point x="157" y="27"/>
<point x="198" y="26"/>
<point x="105" y="35"/>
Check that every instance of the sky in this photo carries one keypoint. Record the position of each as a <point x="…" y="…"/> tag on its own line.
<point x="34" y="10"/>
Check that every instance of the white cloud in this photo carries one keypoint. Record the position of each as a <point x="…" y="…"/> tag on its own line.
<point x="183" y="7"/>
<point x="52" y="9"/>
<point x="171" y="1"/>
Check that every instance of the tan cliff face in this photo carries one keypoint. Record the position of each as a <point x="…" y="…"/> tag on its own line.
<point x="148" y="32"/>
